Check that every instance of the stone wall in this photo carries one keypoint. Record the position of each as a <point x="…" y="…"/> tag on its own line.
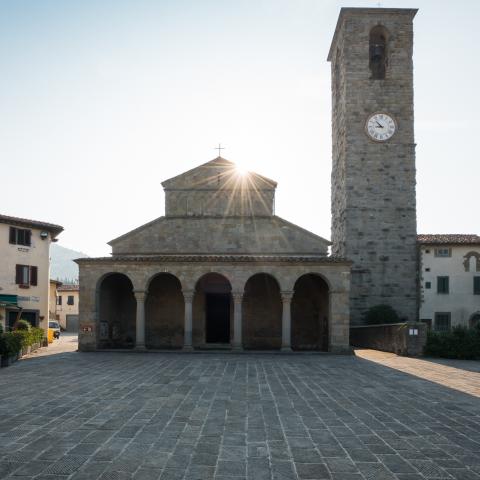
<point x="400" y="338"/>
<point x="373" y="184"/>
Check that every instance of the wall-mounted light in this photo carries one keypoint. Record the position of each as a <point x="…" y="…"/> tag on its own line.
<point x="43" y="235"/>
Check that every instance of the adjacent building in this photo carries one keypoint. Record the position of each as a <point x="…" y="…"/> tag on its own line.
<point x="24" y="270"/>
<point x="67" y="306"/>
<point x="449" y="277"/>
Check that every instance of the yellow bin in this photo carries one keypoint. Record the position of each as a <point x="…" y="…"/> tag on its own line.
<point x="50" y="335"/>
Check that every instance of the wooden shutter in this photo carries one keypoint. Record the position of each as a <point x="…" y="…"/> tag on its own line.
<point x="18" y="274"/>
<point x="33" y="275"/>
<point x="13" y="235"/>
<point x="28" y="238"/>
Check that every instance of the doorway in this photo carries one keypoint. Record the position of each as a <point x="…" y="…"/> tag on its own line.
<point x="217" y="310"/>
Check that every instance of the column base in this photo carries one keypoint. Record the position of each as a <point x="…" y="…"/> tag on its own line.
<point x="286" y="349"/>
<point x="187" y="348"/>
<point x="140" y="348"/>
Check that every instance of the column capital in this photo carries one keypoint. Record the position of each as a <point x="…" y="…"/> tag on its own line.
<point x="237" y="296"/>
<point x="188" y="295"/>
<point x="140" y="294"/>
<point x="286" y="296"/>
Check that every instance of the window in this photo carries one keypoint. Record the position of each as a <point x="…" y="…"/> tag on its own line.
<point x="476" y="285"/>
<point x="70" y="300"/>
<point x="427" y="251"/>
<point x="443" y="285"/>
<point x="378" y="52"/>
<point x="427" y="269"/>
<point x="442" y="321"/>
<point x="59" y="300"/>
<point x="428" y="285"/>
<point x="443" y="252"/>
<point x="26" y="275"/>
<point x="20" y="236"/>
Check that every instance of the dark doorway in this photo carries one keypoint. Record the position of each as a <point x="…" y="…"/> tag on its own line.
<point x="217" y="306"/>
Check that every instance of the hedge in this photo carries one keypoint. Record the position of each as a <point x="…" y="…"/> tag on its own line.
<point x="460" y="342"/>
<point x="11" y="343"/>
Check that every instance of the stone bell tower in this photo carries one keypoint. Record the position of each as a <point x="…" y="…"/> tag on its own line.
<point x="373" y="171"/>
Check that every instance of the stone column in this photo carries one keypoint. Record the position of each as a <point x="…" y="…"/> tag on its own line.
<point x="286" y="321"/>
<point x="237" y="320"/>
<point x="140" y="296"/>
<point x="188" y="324"/>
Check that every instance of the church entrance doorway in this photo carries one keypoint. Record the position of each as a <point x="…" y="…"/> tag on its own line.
<point x="212" y="310"/>
<point x="217" y="319"/>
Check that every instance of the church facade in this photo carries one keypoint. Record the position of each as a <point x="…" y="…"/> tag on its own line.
<point x="219" y="270"/>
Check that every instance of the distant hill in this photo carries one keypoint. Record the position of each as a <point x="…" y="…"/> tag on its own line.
<point x="62" y="266"/>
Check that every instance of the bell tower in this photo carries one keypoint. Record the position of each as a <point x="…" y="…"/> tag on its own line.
<point x="373" y="157"/>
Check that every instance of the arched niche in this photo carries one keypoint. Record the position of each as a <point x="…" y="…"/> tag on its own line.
<point x="164" y="312"/>
<point x="309" y="311"/>
<point x="262" y="313"/>
<point x="117" y="312"/>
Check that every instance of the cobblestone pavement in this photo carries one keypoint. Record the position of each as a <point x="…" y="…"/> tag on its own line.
<point x="227" y="416"/>
<point x="462" y="375"/>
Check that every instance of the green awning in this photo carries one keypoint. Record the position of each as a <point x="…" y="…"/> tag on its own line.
<point x="8" y="301"/>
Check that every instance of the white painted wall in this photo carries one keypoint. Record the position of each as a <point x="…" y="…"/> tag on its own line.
<point x="460" y="302"/>
<point x="34" y="297"/>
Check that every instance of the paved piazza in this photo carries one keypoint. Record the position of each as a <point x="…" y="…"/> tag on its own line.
<point x="232" y="416"/>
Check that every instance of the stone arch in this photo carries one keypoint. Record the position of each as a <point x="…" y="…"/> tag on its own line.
<point x="212" y="310"/>
<point x="262" y="313"/>
<point x="467" y="260"/>
<point x="378" y="52"/>
<point x="164" y="312"/>
<point x="310" y="310"/>
<point x="116" y="306"/>
<point x="474" y="321"/>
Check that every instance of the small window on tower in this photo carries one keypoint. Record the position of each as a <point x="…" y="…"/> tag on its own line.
<point x="378" y="52"/>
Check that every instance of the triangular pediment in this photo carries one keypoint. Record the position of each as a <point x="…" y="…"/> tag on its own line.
<point x="218" y="174"/>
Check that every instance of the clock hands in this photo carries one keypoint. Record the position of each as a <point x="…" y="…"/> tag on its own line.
<point x="381" y="126"/>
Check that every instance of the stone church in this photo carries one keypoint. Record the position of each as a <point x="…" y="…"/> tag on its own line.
<point x="221" y="270"/>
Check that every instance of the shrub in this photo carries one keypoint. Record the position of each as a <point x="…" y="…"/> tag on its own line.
<point x="381" y="314"/>
<point x="10" y="344"/>
<point x="461" y="342"/>
<point x="37" y="335"/>
<point x="23" y="325"/>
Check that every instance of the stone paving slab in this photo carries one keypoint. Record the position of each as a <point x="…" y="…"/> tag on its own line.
<point x="82" y="416"/>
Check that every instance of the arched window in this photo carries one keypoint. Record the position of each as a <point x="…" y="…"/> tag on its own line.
<point x="378" y="52"/>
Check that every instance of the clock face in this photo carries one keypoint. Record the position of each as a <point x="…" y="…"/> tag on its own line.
<point x="380" y="127"/>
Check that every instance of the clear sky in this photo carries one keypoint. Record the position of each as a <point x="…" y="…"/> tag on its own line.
<point x="101" y="100"/>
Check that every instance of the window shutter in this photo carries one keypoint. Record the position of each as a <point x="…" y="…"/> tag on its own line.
<point x="18" y="274"/>
<point x="33" y="275"/>
<point x="13" y="235"/>
<point x="28" y="237"/>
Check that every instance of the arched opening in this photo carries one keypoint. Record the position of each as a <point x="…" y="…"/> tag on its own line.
<point x="475" y="320"/>
<point x="262" y="313"/>
<point x="164" y="312"/>
<point x="378" y="52"/>
<point x="310" y="313"/>
<point x="117" y="312"/>
<point x="212" y="310"/>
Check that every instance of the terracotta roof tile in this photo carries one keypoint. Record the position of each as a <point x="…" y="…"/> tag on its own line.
<point x="448" y="238"/>
<point x="24" y="222"/>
